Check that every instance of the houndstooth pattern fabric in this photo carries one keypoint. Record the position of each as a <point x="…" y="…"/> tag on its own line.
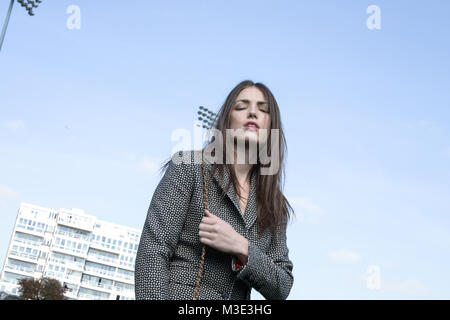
<point x="169" y="251"/>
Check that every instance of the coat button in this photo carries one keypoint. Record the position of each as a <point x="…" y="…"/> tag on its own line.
<point x="224" y="295"/>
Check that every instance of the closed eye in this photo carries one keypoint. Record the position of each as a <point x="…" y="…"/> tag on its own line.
<point x="243" y="108"/>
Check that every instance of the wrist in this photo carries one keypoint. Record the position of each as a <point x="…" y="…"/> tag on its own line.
<point x="242" y="254"/>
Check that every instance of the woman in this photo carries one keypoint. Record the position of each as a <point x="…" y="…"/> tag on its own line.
<point x="244" y="229"/>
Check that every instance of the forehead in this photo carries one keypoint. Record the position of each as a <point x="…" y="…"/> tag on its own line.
<point x="251" y="93"/>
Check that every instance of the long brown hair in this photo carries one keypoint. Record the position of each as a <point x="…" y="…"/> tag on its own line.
<point x="273" y="207"/>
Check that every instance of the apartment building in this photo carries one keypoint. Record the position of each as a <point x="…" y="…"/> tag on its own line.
<point x="94" y="259"/>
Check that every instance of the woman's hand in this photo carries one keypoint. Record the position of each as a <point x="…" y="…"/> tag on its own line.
<point x="220" y="235"/>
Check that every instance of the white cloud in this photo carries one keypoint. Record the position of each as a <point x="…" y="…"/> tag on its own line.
<point x="422" y="125"/>
<point x="15" y="125"/>
<point x="409" y="287"/>
<point x="7" y="193"/>
<point x="344" y="256"/>
<point x="406" y="287"/>
<point x="430" y="126"/>
<point x="129" y="155"/>
<point x="305" y="209"/>
<point x="425" y="123"/>
<point x="150" y="165"/>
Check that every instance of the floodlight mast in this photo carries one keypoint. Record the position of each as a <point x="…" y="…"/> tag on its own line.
<point x="5" y="24"/>
<point x="28" y="4"/>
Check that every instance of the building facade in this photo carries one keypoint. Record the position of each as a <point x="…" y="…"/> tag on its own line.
<point x="94" y="259"/>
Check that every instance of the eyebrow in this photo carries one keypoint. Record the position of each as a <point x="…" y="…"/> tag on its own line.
<point x="247" y="101"/>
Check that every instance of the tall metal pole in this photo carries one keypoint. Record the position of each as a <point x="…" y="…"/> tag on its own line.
<point x="5" y="24"/>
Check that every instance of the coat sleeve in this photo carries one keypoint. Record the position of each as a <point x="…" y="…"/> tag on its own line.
<point x="269" y="272"/>
<point x="162" y="227"/>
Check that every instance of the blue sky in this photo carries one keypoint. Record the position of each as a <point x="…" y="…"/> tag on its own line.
<point x="87" y="117"/>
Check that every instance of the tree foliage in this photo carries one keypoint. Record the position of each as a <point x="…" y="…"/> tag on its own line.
<point x="41" y="289"/>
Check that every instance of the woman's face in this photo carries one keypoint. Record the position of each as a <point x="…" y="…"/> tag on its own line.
<point x="250" y="106"/>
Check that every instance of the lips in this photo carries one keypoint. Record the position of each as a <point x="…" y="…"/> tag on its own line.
<point x="251" y="125"/>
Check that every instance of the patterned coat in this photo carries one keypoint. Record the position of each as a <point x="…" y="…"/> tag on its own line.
<point x="169" y="252"/>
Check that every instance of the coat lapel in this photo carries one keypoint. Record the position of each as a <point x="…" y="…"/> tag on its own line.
<point x="251" y="208"/>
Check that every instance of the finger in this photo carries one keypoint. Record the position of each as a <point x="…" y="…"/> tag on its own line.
<point x="208" y="213"/>
<point x="204" y="234"/>
<point x="206" y="241"/>
<point x="208" y="220"/>
<point x="206" y="227"/>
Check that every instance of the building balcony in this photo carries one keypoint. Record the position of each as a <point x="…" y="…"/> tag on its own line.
<point x="30" y="230"/>
<point x="102" y="260"/>
<point x="123" y="291"/>
<point x="71" y="295"/>
<point x="10" y="281"/>
<point x="126" y="267"/>
<point x="96" y="286"/>
<point x="76" y="266"/>
<point x="125" y="279"/>
<point x="23" y="256"/>
<point x="102" y="247"/>
<point x="81" y="254"/>
<point x="32" y="244"/>
<point x="72" y="280"/>
<point x="76" y="236"/>
<point x="99" y="273"/>
<point x="84" y="226"/>
<point x="86" y="296"/>
<point x="20" y="270"/>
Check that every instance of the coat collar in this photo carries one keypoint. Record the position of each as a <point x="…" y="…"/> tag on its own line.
<point x="251" y="208"/>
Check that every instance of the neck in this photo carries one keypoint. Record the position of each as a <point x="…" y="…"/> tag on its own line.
<point x="242" y="170"/>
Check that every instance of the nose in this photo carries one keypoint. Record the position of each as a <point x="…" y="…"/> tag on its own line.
<point x="251" y="112"/>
